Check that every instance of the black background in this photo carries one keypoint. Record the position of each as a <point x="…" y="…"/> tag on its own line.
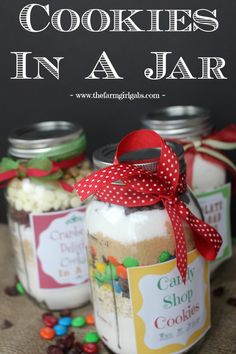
<point x="27" y="101"/>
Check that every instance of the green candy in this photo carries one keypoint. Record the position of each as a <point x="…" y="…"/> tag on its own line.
<point x="20" y="288"/>
<point x="130" y="262"/>
<point x="91" y="337"/>
<point x="78" y="321"/>
<point x="102" y="278"/>
<point x="165" y="256"/>
<point x="111" y="273"/>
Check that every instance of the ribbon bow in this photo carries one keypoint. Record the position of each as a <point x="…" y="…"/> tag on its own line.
<point x="129" y="185"/>
<point x="209" y="147"/>
<point x="42" y="168"/>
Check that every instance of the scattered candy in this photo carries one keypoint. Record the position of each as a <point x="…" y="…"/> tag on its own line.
<point x="90" y="348"/>
<point x="6" y="324"/>
<point x="54" y="349"/>
<point x="130" y="262"/>
<point x="49" y="320"/>
<point x="90" y="319"/>
<point x="65" y="321"/>
<point x="20" y="288"/>
<point x="219" y="291"/>
<point x="165" y="256"/>
<point x="122" y="272"/>
<point x="60" y="330"/>
<point x="78" y="321"/>
<point x="91" y="337"/>
<point x="47" y="333"/>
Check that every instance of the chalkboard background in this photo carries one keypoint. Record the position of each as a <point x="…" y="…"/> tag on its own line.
<point x="27" y="101"/>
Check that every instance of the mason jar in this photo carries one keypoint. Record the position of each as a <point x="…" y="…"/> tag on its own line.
<point x="46" y="218"/>
<point x="140" y="302"/>
<point x="207" y="178"/>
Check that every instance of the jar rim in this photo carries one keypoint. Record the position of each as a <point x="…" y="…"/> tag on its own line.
<point x="104" y="156"/>
<point x="41" y="138"/>
<point x="179" y="122"/>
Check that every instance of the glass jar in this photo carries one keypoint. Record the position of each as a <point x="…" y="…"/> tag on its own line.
<point x="207" y="178"/>
<point x="46" y="221"/>
<point x="127" y="244"/>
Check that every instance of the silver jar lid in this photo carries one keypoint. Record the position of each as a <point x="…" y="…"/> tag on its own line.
<point x="41" y="138"/>
<point x="104" y="156"/>
<point x="179" y="122"/>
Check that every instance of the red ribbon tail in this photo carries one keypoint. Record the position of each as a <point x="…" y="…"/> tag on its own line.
<point x="66" y="186"/>
<point x="181" y="248"/>
<point x="6" y="176"/>
<point x="207" y="239"/>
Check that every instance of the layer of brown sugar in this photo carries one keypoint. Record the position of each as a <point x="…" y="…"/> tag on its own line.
<point x="146" y="252"/>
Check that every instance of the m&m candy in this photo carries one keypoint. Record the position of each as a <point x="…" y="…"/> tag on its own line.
<point x="90" y="319"/>
<point x="90" y="348"/>
<point x="49" y="320"/>
<point x="78" y="321"/>
<point x="91" y="337"/>
<point x="60" y="330"/>
<point x="65" y="321"/>
<point x="47" y="333"/>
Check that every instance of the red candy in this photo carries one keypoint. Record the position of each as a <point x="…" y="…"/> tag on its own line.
<point x="49" y="320"/>
<point x="90" y="348"/>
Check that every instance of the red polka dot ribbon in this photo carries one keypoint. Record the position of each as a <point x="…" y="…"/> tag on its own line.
<point x="129" y="185"/>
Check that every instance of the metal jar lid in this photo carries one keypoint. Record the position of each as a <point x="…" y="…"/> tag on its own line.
<point x="104" y="156"/>
<point x="42" y="138"/>
<point x="179" y="122"/>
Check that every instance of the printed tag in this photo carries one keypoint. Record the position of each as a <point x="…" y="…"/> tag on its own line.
<point x="60" y="248"/>
<point x="169" y="317"/>
<point x="216" y="210"/>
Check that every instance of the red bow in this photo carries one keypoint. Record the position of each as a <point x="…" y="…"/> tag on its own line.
<point x="210" y="147"/>
<point x="139" y="187"/>
<point x="54" y="171"/>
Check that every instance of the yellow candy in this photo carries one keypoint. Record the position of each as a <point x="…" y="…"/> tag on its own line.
<point x="101" y="267"/>
<point x="107" y="286"/>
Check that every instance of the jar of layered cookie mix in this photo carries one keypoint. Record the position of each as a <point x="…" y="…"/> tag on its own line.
<point x="46" y="218"/>
<point x="206" y="165"/>
<point x="149" y="282"/>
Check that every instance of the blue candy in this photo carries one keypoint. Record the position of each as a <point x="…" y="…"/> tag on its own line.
<point x="117" y="287"/>
<point x="65" y="321"/>
<point x="60" y="330"/>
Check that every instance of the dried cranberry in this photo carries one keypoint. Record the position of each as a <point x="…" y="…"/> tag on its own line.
<point x="77" y="349"/>
<point x="65" y="313"/>
<point x="54" y="349"/>
<point x="11" y="291"/>
<point x="67" y="342"/>
<point x="218" y="292"/>
<point x="232" y="301"/>
<point x="6" y="324"/>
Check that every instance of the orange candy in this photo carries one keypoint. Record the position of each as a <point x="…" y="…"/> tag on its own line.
<point x="122" y="272"/>
<point x="90" y="319"/>
<point x="113" y="260"/>
<point x="47" y="333"/>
